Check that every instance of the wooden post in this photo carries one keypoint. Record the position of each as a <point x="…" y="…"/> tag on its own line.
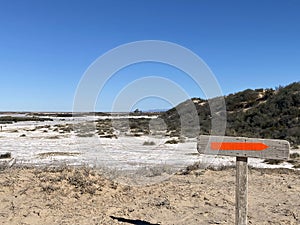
<point x="241" y="191"/>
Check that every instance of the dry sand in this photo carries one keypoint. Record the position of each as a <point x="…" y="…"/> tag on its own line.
<point x="82" y="196"/>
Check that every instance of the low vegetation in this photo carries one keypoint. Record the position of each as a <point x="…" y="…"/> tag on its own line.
<point x="172" y="141"/>
<point x="273" y="161"/>
<point x="14" y="119"/>
<point x="49" y="154"/>
<point x="149" y="143"/>
<point x="81" y="180"/>
<point x="5" y="155"/>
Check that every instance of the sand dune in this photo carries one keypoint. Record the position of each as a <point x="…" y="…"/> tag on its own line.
<point x="83" y="196"/>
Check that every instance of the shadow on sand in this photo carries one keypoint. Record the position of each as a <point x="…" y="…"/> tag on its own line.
<point x="135" y="222"/>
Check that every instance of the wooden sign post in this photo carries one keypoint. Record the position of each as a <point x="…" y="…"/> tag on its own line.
<point x="242" y="148"/>
<point x="241" y="193"/>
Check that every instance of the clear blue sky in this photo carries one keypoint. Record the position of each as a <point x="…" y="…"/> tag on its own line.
<point x="46" y="46"/>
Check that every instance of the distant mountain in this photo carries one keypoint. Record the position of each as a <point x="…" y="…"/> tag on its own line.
<point x="264" y="113"/>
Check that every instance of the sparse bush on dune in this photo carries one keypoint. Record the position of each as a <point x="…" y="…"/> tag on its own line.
<point x="85" y="135"/>
<point x="172" y="141"/>
<point x="273" y="161"/>
<point x="14" y="119"/>
<point x="155" y="171"/>
<point x="53" y="137"/>
<point x="48" y="154"/>
<point x="82" y="180"/>
<point x="108" y="136"/>
<point x="297" y="166"/>
<point x="198" y="168"/>
<point x="149" y="143"/>
<point x="294" y="160"/>
<point x="294" y="155"/>
<point x="5" y="155"/>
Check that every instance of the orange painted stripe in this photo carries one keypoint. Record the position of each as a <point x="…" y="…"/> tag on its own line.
<point x="238" y="146"/>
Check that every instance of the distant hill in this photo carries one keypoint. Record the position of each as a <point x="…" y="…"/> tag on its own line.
<point x="264" y="113"/>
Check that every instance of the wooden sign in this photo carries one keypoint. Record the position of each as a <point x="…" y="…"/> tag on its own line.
<point x="243" y="147"/>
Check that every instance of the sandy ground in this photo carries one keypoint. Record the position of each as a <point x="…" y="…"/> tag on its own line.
<point x="83" y="196"/>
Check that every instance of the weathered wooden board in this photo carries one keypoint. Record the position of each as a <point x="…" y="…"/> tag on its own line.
<point x="243" y="147"/>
